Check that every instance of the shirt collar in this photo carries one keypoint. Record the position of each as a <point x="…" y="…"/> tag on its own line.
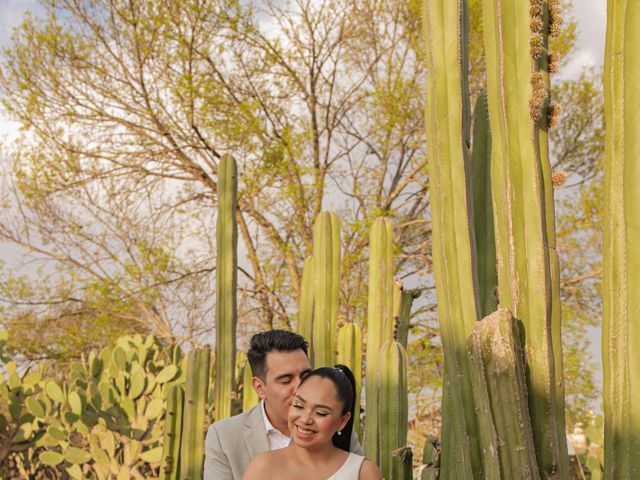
<point x="268" y="426"/>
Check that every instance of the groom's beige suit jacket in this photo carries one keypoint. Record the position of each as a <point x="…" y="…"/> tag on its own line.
<point x="232" y="443"/>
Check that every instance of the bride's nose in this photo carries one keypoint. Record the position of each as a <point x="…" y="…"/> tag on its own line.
<point x="306" y="417"/>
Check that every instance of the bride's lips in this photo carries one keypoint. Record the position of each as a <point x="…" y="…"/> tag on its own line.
<point x="304" y="432"/>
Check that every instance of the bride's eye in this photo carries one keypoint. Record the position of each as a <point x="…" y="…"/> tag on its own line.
<point x="297" y="405"/>
<point x="323" y="414"/>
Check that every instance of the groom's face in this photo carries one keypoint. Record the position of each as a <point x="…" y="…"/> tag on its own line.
<point x="285" y="370"/>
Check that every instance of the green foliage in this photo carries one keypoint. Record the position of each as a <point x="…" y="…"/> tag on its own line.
<point x="578" y="147"/>
<point x="595" y="454"/>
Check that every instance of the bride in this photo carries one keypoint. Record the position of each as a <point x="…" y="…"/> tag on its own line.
<point x="320" y="421"/>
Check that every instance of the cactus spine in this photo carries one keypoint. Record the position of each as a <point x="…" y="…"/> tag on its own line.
<point x="326" y="273"/>
<point x="194" y="423"/>
<point x="500" y="392"/>
<point x="448" y="124"/>
<point x="391" y="426"/>
<point x="226" y="284"/>
<point x="350" y="354"/>
<point x="518" y="96"/>
<point x="379" y="322"/>
<point x="172" y="434"/>
<point x="621" y="256"/>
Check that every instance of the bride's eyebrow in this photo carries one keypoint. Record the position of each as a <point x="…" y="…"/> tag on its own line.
<point x="320" y="405"/>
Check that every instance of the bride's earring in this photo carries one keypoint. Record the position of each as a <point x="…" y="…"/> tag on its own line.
<point x="339" y="432"/>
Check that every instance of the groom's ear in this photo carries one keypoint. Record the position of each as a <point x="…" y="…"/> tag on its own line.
<point x="258" y="386"/>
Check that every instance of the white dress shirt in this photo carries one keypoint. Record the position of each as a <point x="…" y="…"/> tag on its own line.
<point x="276" y="438"/>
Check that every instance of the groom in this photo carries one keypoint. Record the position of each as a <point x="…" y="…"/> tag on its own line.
<point x="278" y="361"/>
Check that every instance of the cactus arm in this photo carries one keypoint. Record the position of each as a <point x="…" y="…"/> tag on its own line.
<point x="621" y="256"/>
<point x="326" y="237"/>
<point x="518" y="92"/>
<point x="379" y="322"/>
<point x="483" y="208"/>
<point x="448" y="123"/>
<point x="403" y="301"/>
<point x="226" y="283"/>
<point x="172" y="434"/>
<point x="350" y="354"/>
<point x="498" y="380"/>
<point x="194" y="421"/>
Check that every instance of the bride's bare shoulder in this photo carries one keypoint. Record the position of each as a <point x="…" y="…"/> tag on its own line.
<point x="258" y="466"/>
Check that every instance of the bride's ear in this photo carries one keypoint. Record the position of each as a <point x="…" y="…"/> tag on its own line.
<point x="344" y="420"/>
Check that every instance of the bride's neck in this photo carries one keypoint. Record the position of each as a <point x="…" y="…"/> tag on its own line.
<point x="315" y="455"/>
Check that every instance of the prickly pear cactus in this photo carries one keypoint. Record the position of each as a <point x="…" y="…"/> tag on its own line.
<point x="19" y="429"/>
<point x="108" y="420"/>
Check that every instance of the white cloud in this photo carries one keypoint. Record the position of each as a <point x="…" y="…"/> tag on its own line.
<point x="591" y="16"/>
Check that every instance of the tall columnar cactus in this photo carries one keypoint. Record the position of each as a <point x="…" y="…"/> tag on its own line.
<point x="379" y="321"/>
<point x="500" y="392"/>
<point x="621" y="282"/>
<point x="194" y="423"/>
<point x="448" y="124"/>
<point x="326" y="274"/>
<point x="391" y="425"/>
<point x="305" y="307"/>
<point x="350" y="354"/>
<point x="483" y="208"/>
<point x="249" y="396"/>
<point x="226" y="285"/>
<point x="170" y="466"/>
<point x="516" y="40"/>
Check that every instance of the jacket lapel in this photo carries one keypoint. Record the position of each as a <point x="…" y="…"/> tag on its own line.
<point x="255" y="436"/>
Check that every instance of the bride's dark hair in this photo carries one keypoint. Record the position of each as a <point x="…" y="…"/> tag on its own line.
<point x="345" y="384"/>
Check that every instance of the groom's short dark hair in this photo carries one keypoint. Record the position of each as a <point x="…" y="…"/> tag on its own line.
<point x="269" y="341"/>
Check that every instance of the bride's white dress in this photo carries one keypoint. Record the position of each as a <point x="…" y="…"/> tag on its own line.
<point x="349" y="469"/>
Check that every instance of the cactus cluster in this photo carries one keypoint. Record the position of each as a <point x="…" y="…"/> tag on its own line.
<point x="389" y="308"/>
